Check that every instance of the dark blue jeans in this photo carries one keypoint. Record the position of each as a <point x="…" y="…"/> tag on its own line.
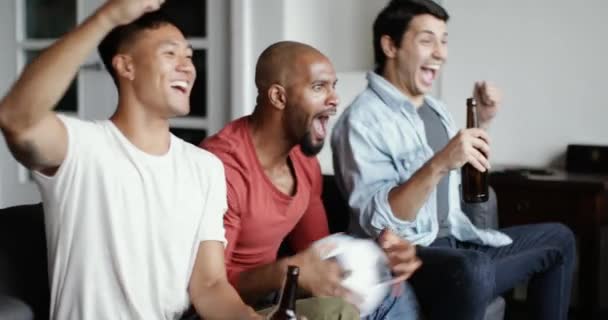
<point x="459" y="279"/>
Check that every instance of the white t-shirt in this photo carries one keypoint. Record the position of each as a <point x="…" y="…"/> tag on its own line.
<point x="123" y="227"/>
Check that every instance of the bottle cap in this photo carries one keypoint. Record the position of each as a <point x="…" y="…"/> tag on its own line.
<point x="293" y="270"/>
<point x="471" y="102"/>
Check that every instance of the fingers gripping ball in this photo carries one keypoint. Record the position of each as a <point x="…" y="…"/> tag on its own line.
<point x="365" y="267"/>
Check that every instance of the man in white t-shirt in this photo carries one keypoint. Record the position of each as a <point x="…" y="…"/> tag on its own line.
<point x="128" y="234"/>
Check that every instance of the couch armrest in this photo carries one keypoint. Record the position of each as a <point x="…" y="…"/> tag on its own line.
<point x="14" y="309"/>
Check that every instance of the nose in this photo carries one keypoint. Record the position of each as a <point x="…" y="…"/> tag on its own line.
<point x="186" y="65"/>
<point x="333" y="99"/>
<point x="441" y="51"/>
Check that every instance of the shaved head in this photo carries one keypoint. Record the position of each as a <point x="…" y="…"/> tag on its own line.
<point x="280" y="61"/>
<point x="296" y="94"/>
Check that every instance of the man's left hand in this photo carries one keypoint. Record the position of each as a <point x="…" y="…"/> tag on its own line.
<point x="401" y="255"/>
<point x="488" y="99"/>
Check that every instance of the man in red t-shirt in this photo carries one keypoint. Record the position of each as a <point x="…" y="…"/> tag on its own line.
<point x="274" y="183"/>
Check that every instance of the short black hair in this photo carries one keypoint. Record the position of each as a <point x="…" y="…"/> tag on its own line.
<point x="394" y="20"/>
<point x="121" y="35"/>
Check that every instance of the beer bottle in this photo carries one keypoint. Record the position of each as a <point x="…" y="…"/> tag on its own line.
<point x="474" y="182"/>
<point x="287" y="305"/>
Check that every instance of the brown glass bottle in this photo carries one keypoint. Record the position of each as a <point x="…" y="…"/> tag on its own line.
<point x="287" y="305"/>
<point x="474" y="182"/>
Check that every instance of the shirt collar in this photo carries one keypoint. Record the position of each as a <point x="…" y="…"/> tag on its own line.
<point x="388" y="93"/>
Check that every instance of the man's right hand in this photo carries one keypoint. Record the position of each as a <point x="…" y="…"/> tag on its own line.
<point x="468" y="146"/>
<point x="318" y="276"/>
<point x="121" y="12"/>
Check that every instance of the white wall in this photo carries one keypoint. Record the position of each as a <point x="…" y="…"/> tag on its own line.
<point x="10" y="193"/>
<point x="7" y="72"/>
<point x="341" y="29"/>
<point x="549" y="56"/>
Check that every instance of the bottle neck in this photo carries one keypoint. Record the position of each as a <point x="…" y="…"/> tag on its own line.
<point x="288" y="297"/>
<point x="472" y="121"/>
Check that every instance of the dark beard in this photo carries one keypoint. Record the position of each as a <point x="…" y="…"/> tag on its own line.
<point x="307" y="147"/>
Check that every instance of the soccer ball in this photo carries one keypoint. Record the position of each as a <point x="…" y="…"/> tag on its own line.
<point x="366" y="267"/>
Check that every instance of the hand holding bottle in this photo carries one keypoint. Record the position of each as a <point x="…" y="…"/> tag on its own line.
<point x="467" y="146"/>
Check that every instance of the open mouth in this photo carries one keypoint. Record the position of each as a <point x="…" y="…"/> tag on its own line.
<point x="429" y="73"/>
<point x="319" y="123"/>
<point x="181" y="86"/>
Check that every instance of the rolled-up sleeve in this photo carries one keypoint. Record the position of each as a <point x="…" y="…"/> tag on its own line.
<point x="366" y="173"/>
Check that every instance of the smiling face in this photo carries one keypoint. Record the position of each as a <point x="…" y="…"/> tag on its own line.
<point x="158" y="66"/>
<point x="414" y="65"/>
<point x="311" y="100"/>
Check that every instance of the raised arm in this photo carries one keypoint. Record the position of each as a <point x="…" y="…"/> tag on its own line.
<point x="34" y="134"/>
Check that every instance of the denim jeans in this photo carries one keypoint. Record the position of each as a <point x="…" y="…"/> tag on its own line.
<point x="401" y="305"/>
<point x="459" y="279"/>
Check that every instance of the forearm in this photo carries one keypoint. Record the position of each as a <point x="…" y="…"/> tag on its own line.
<point x="219" y="300"/>
<point x="406" y="199"/>
<point x="46" y="79"/>
<point x="261" y="281"/>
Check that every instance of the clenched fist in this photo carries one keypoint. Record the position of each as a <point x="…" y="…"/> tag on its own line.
<point x="121" y="12"/>
<point x="488" y="99"/>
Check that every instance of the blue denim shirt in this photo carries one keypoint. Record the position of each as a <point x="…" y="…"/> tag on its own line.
<point x="378" y="143"/>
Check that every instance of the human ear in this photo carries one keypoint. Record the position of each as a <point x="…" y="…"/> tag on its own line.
<point x="123" y="65"/>
<point x="388" y="46"/>
<point x="277" y="96"/>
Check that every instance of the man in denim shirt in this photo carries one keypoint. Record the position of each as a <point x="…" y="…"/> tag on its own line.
<point x="397" y="156"/>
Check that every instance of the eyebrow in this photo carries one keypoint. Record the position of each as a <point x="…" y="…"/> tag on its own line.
<point x="445" y="34"/>
<point x="325" y="81"/>
<point x="174" y="43"/>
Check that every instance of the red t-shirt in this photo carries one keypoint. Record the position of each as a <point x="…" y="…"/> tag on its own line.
<point x="259" y="215"/>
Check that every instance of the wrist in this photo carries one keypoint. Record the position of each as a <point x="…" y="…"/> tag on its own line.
<point x="438" y="166"/>
<point x="104" y="17"/>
